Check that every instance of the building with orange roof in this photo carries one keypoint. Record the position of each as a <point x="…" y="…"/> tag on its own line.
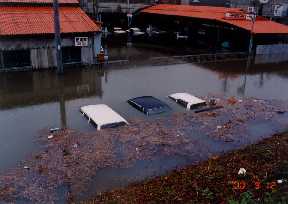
<point x="27" y="34"/>
<point x="213" y="28"/>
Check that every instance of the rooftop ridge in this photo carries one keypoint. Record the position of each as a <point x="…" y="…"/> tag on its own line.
<point x="261" y="26"/>
<point x="27" y="20"/>
<point x="36" y="2"/>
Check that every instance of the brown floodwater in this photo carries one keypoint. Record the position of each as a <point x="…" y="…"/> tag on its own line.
<point x="33" y="101"/>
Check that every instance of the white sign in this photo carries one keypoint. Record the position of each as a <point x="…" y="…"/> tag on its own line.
<point x="81" y="41"/>
<point x="251" y="17"/>
<point x="251" y="10"/>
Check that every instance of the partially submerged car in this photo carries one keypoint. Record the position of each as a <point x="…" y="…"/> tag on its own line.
<point x="187" y="100"/>
<point x="149" y="105"/>
<point x="102" y="116"/>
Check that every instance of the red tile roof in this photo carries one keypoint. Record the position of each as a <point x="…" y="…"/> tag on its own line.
<point x="261" y="26"/>
<point x="39" y="20"/>
<point x="37" y="2"/>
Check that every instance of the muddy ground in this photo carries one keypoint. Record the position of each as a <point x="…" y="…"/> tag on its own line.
<point x="69" y="160"/>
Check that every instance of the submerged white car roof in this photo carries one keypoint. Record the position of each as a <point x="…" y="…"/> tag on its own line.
<point x="101" y="114"/>
<point x="190" y="99"/>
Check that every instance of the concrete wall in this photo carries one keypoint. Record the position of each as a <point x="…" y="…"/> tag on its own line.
<point x="206" y="2"/>
<point x="43" y="54"/>
<point x="269" y="9"/>
<point x="275" y="53"/>
<point x="111" y="7"/>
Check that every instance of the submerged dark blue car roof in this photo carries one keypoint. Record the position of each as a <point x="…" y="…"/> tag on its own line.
<point x="149" y="103"/>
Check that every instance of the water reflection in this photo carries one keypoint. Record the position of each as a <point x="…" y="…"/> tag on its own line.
<point x="27" y="88"/>
<point x="62" y="108"/>
<point x="255" y="76"/>
<point x="30" y="101"/>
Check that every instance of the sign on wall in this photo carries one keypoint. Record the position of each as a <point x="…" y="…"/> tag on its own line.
<point x="81" y="41"/>
<point x="251" y="10"/>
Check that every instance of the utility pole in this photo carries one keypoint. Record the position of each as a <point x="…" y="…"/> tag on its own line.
<point x="95" y="9"/>
<point x="251" y="41"/>
<point x="129" y="14"/>
<point x="251" y="34"/>
<point x="57" y="37"/>
<point x="253" y="16"/>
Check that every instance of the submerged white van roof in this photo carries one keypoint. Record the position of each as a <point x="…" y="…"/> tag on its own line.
<point x="188" y="98"/>
<point x="101" y="114"/>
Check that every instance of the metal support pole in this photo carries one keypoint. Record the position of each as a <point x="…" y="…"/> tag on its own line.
<point x="57" y="37"/>
<point x="251" y="41"/>
<point x="242" y="89"/>
<point x="95" y="10"/>
<point x="128" y="14"/>
<point x="251" y="37"/>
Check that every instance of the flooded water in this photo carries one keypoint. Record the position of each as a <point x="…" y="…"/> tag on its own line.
<point x="34" y="101"/>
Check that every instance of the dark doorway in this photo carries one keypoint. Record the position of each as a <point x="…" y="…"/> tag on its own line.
<point x="16" y="58"/>
<point x="71" y="55"/>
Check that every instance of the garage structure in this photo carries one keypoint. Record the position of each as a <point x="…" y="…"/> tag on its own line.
<point x="27" y="34"/>
<point x="215" y="26"/>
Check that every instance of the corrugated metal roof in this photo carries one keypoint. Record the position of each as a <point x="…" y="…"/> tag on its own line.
<point x="39" y="20"/>
<point x="261" y="26"/>
<point x="37" y="2"/>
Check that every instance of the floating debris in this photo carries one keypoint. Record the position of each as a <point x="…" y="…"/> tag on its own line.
<point x="242" y="171"/>
<point x="212" y="102"/>
<point x="232" y="100"/>
<point x="281" y="111"/>
<point x="52" y="130"/>
<point x="75" y="145"/>
<point x="73" y="158"/>
<point x="280" y="181"/>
